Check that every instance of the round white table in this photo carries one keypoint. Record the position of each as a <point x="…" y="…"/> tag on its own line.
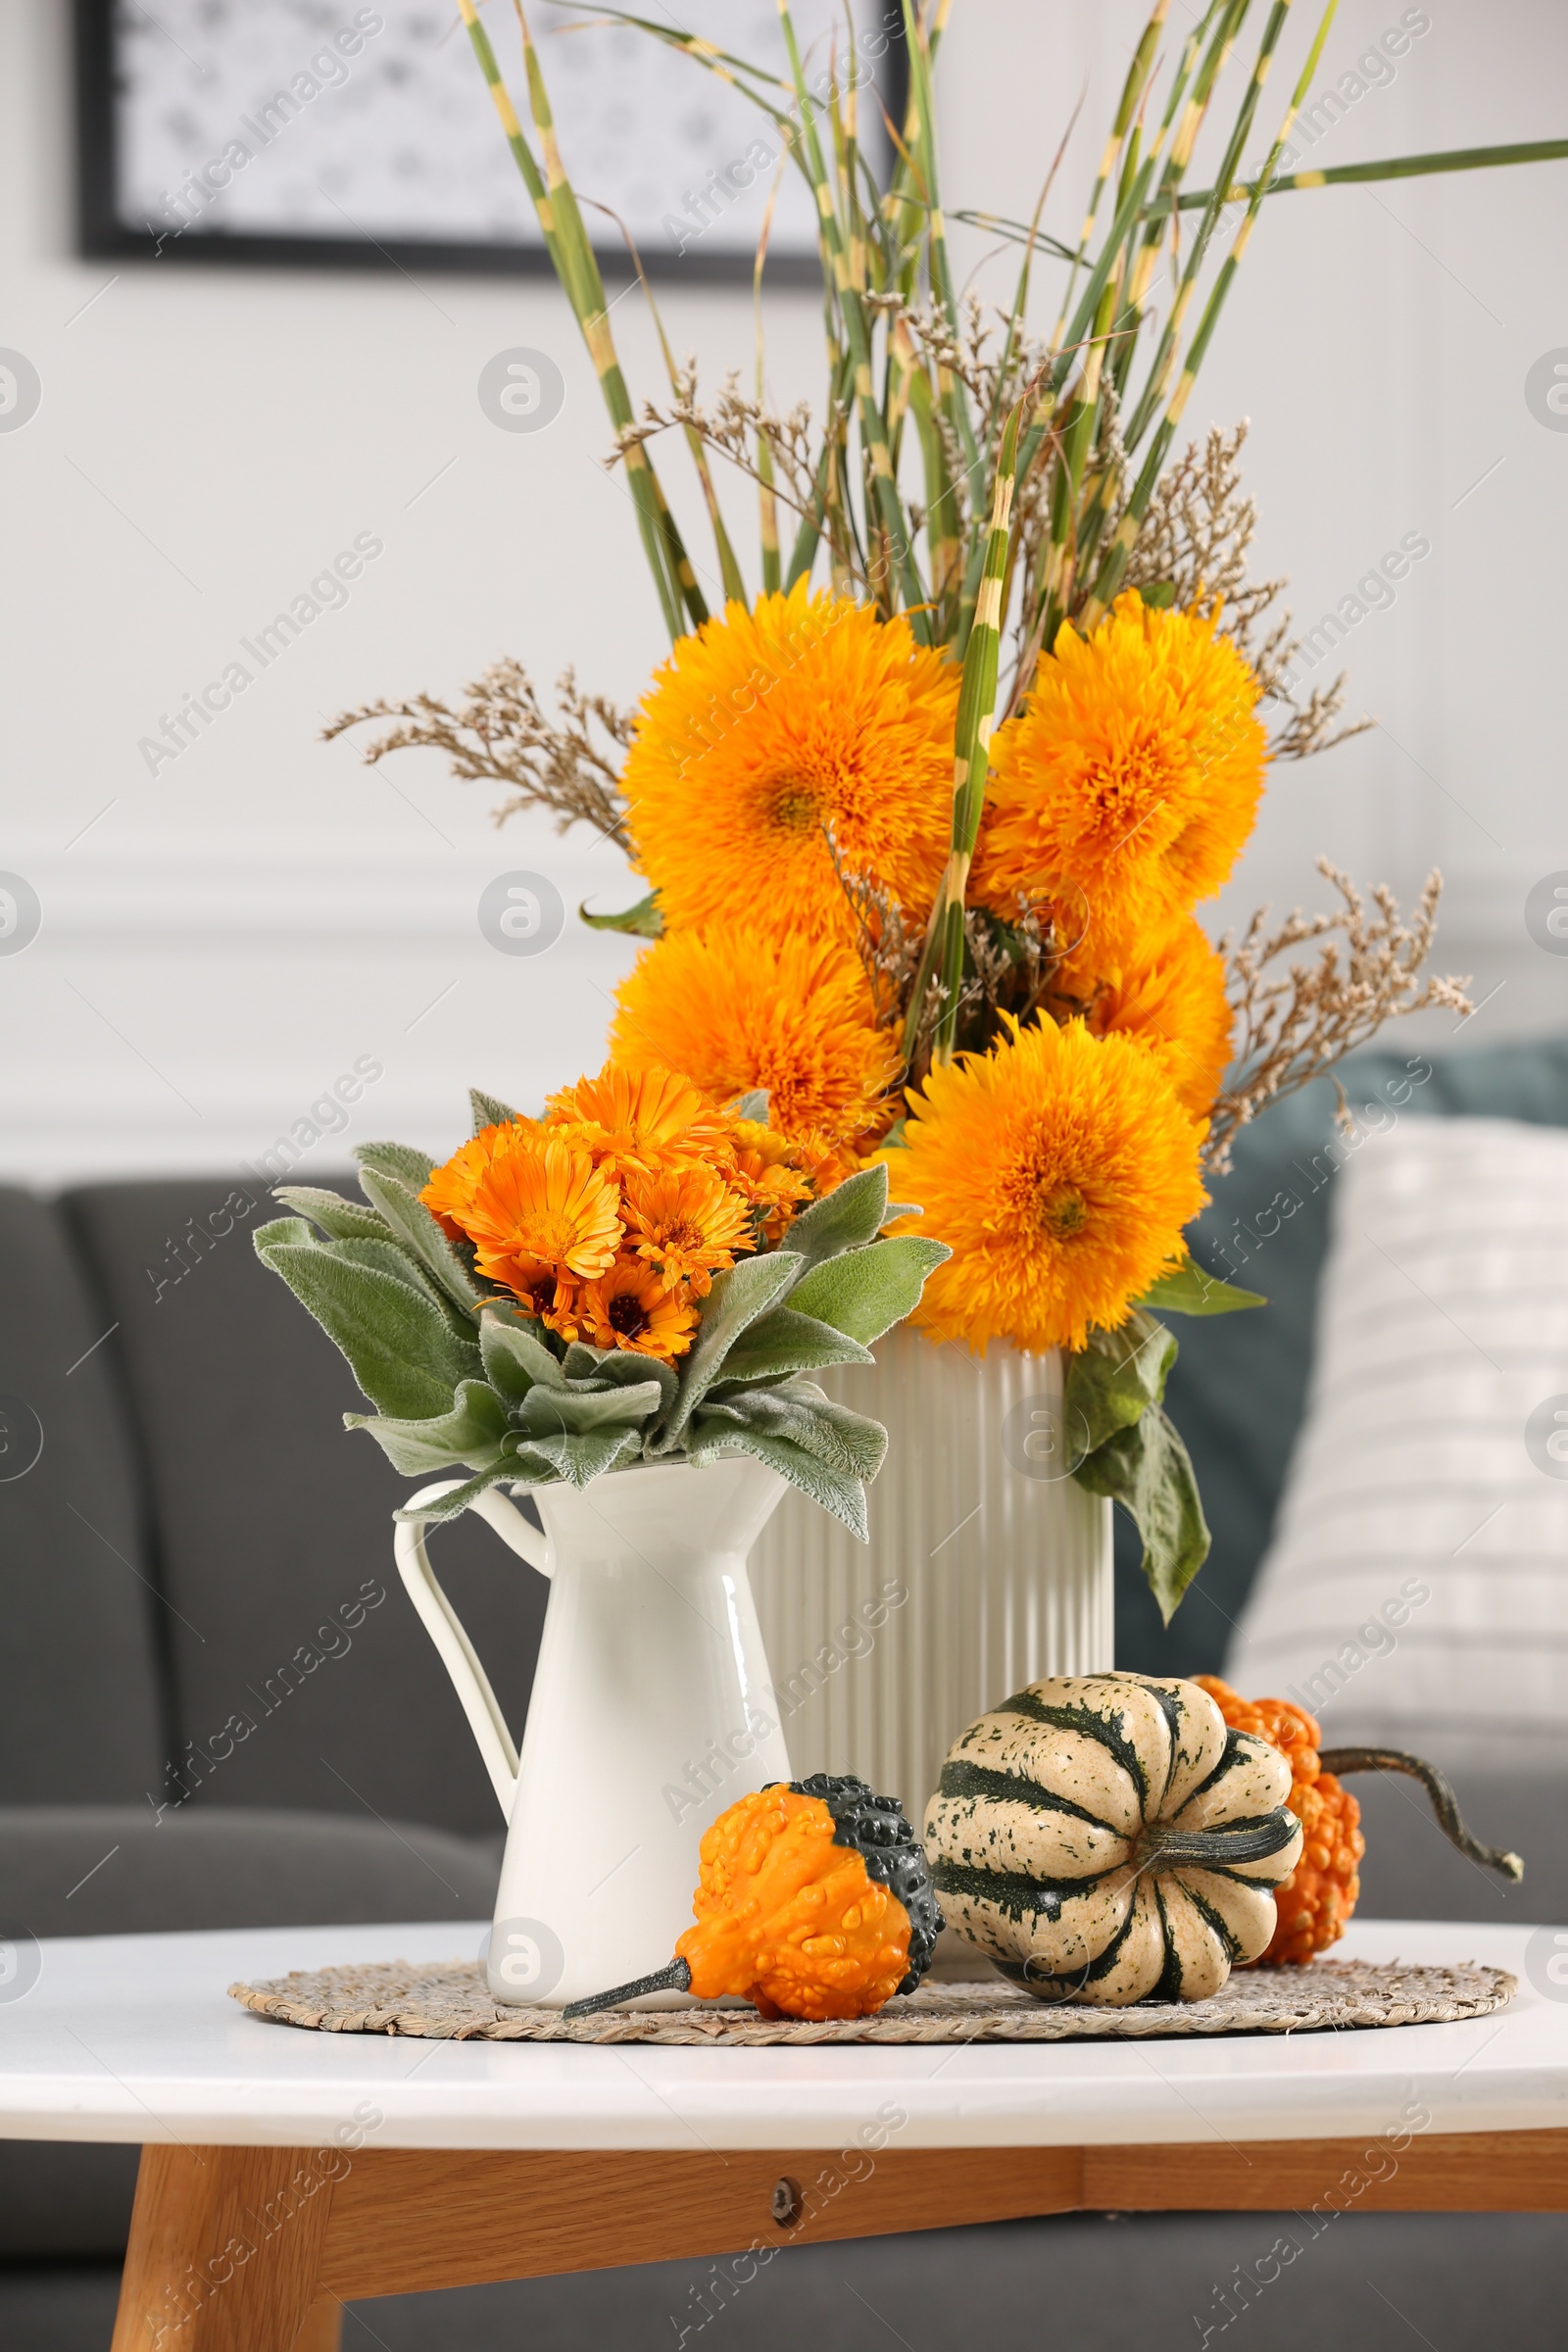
<point x="285" y="2171"/>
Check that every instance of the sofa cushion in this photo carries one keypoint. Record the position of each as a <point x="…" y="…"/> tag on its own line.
<point x="69" y="1870"/>
<point x="80" y="1704"/>
<point x="1415" y="1592"/>
<point x="300" y="1673"/>
<point x="1238" y="1387"/>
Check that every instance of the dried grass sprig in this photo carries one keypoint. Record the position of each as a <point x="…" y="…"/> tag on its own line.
<point x="501" y="734"/>
<point x="1295" y="1025"/>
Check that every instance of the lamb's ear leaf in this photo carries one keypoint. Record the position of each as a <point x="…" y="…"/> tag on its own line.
<point x="846" y="1218"/>
<point x="450" y="1506"/>
<point x="843" y="1496"/>
<point x="516" y="1358"/>
<point x="472" y="1433"/>
<point x="344" y="1220"/>
<point x="866" y="1291"/>
<point x="1111" y="1381"/>
<point x="847" y="1442"/>
<point x="488" y="1112"/>
<point x="623" y="1367"/>
<point x="1186" y="1290"/>
<point x="412" y="1223"/>
<point x="753" y="1107"/>
<point x="580" y="1456"/>
<point x="401" y="1349"/>
<point x="546" y="1410"/>
<point x="1146" y="1468"/>
<point x="281" y="1233"/>
<point x="785" y="1342"/>
<point x="397" y="1159"/>
<point x="740" y="1296"/>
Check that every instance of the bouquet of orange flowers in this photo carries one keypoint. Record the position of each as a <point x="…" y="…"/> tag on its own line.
<point x="934" y="907"/>
<point x="637" y="1275"/>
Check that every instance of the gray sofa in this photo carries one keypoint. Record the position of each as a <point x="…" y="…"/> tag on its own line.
<point x="200" y="1546"/>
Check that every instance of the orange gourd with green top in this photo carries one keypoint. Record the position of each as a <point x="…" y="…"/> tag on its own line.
<point x="813" y="1902"/>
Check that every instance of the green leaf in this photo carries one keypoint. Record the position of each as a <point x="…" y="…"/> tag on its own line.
<point x="1110" y="1382"/>
<point x="1189" y="1291"/>
<point x="753" y="1107"/>
<point x="740" y="1296"/>
<point x="852" y="1214"/>
<point x="832" y="1489"/>
<point x="516" y="1358"/>
<point x="451" y="1505"/>
<point x="1147" y="1469"/>
<point x="395" y="1160"/>
<point x="472" y="1433"/>
<point x="344" y="1220"/>
<point x="784" y="1341"/>
<point x="488" y="1112"/>
<point x="279" y="1233"/>
<point x="544" y="1411"/>
<point x="866" y="1291"/>
<point x="643" y="921"/>
<point x="412" y="1223"/>
<point x="624" y="1366"/>
<point x="580" y="1458"/>
<point x="404" y="1353"/>
<point x="847" y="1442"/>
<point x="1160" y="594"/>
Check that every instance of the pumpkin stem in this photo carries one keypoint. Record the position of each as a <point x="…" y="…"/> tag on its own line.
<point x="1444" y="1804"/>
<point x="1162" y="1848"/>
<point x="677" y="1978"/>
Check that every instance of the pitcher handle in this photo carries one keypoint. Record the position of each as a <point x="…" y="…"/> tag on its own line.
<point x="446" y="1629"/>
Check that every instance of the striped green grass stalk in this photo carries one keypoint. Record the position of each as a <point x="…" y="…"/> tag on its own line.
<point x="852" y="310"/>
<point x="1399" y="166"/>
<point x="971" y="759"/>
<point x="666" y="557"/>
<point x="1115" y="562"/>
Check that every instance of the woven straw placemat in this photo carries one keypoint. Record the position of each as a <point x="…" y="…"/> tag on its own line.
<point x="452" y="2002"/>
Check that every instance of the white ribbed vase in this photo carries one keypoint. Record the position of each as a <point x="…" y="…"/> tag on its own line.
<point x="1005" y="1563"/>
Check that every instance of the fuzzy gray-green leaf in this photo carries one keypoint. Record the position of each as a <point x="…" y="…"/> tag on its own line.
<point x="843" y="1496"/>
<point x="401" y="1349"/>
<point x="516" y="1359"/>
<point x="866" y="1291"/>
<point x="399" y="1161"/>
<point x="740" y="1296"/>
<point x="472" y="1433"/>
<point x="412" y="1223"/>
<point x="344" y="1220"/>
<point x="851" y="1215"/>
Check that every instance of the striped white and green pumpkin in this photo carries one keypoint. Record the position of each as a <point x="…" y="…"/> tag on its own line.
<point x="1107" y="1838"/>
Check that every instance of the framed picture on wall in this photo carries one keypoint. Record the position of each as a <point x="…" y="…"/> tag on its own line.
<point x="304" y="132"/>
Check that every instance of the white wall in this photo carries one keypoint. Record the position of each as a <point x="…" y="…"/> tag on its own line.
<point x="220" y="940"/>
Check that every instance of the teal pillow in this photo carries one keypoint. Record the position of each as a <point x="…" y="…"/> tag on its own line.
<point x="1238" y="1387"/>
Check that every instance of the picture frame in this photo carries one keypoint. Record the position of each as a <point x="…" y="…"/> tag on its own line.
<point x="391" y="159"/>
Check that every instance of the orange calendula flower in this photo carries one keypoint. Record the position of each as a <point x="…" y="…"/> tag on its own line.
<point x="630" y="1308"/>
<point x="637" y="1117"/>
<point x="1169" y="995"/>
<point x="772" y="734"/>
<point x="542" y="1204"/>
<point x="1134" y="771"/>
<point x="686" y="1225"/>
<point x="770" y="1173"/>
<point x="745" y="1008"/>
<point x="1060" y="1169"/>
<point x="451" y="1189"/>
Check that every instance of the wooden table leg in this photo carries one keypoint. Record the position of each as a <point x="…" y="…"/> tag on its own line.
<point x="226" y="2251"/>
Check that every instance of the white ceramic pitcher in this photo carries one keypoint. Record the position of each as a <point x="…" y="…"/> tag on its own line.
<point x="652" y="1711"/>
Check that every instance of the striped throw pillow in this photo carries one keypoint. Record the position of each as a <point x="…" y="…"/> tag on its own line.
<point x="1415" y="1590"/>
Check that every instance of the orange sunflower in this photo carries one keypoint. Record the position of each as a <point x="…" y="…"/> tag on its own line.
<point x="740" y="1008"/>
<point x="1169" y="995"/>
<point x="1134" y="771"/>
<point x="636" y="1119"/>
<point x="686" y="1225"/>
<point x="541" y="1206"/>
<point x="630" y="1308"/>
<point x="1060" y="1169"/>
<point x="770" y="734"/>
